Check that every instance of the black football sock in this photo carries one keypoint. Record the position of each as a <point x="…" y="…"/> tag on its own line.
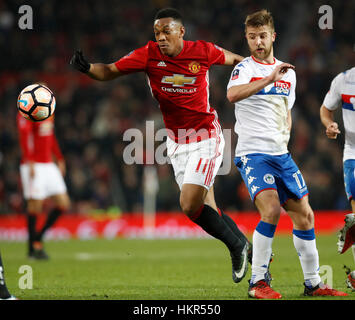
<point x="31" y="228"/>
<point x="51" y="219"/>
<point x="210" y="221"/>
<point x="233" y="226"/>
<point x="4" y="293"/>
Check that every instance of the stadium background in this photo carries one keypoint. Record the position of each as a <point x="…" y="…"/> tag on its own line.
<point x="91" y="117"/>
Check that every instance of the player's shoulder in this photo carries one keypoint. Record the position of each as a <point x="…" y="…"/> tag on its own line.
<point x="340" y="77"/>
<point x="202" y="45"/>
<point x="198" y="44"/>
<point x="149" y="47"/>
<point x="245" y="63"/>
<point x="348" y="75"/>
<point x="149" y="50"/>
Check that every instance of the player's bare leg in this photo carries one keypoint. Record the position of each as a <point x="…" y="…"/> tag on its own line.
<point x="210" y="199"/>
<point x="199" y="205"/>
<point x="192" y="197"/>
<point x="300" y="213"/>
<point x="304" y="241"/>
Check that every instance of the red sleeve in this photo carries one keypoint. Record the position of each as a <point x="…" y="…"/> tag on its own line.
<point x="215" y="54"/>
<point x="135" y="61"/>
<point x="56" y="149"/>
<point x="25" y="133"/>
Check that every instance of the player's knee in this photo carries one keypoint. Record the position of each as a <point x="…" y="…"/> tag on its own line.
<point x="190" y="201"/>
<point x="34" y="207"/>
<point x="189" y="207"/>
<point x="63" y="203"/>
<point x="66" y="205"/>
<point x="271" y="213"/>
<point x="306" y="219"/>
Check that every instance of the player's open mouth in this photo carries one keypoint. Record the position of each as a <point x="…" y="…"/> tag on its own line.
<point x="259" y="50"/>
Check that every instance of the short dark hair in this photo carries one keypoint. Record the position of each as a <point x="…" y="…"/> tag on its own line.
<point x="169" y="13"/>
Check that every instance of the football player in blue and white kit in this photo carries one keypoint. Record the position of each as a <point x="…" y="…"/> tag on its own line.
<point x="342" y="93"/>
<point x="263" y="91"/>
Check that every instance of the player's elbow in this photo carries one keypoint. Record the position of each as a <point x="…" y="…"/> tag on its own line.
<point x="325" y="114"/>
<point x="324" y="111"/>
<point x="103" y="72"/>
<point x="232" y="96"/>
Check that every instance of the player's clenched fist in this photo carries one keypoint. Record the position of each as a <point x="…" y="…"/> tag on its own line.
<point x="332" y="130"/>
<point x="79" y="62"/>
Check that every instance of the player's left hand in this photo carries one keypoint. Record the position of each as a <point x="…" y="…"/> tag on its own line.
<point x="280" y="71"/>
<point x="79" y="62"/>
<point x="332" y="131"/>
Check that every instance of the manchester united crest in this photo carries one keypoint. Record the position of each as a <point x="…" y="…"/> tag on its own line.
<point x="194" y="67"/>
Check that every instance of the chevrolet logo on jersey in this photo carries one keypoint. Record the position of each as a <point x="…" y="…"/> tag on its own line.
<point x="178" y="80"/>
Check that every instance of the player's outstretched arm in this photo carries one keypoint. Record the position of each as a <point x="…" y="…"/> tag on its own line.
<point x="243" y="91"/>
<point x="326" y="117"/>
<point x="97" y="71"/>
<point x="231" y="59"/>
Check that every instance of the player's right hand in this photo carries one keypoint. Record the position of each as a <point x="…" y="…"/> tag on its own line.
<point x="79" y="62"/>
<point x="280" y="71"/>
<point x="332" y="131"/>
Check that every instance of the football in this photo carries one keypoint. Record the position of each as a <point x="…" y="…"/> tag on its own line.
<point x="36" y="102"/>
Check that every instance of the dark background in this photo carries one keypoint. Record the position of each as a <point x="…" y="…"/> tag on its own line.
<point x="91" y="116"/>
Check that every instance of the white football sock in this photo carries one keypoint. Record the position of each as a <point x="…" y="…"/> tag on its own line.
<point x="305" y="244"/>
<point x="262" y="249"/>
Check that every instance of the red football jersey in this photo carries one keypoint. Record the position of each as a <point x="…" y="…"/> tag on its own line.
<point x="37" y="140"/>
<point x="181" y="86"/>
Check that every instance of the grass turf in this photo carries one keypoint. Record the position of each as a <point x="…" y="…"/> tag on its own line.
<point x="124" y="269"/>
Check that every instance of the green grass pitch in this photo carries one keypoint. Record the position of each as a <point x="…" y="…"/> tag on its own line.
<point x="124" y="269"/>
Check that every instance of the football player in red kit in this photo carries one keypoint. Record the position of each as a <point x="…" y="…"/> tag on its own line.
<point x="177" y="74"/>
<point x="41" y="178"/>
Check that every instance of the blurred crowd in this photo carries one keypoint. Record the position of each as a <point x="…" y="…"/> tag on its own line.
<point x="91" y="117"/>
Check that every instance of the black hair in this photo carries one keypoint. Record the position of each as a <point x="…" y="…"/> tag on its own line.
<point x="169" y="13"/>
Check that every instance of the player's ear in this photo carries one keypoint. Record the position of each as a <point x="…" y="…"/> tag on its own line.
<point x="182" y="31"/>
<point x="273" y="36"/>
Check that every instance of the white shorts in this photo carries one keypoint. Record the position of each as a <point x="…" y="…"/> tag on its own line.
<point x="47" y="181"/>
<point x="196" y="162"/>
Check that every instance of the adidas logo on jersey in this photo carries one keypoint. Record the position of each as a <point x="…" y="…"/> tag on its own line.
<point x="161" y="64"/>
